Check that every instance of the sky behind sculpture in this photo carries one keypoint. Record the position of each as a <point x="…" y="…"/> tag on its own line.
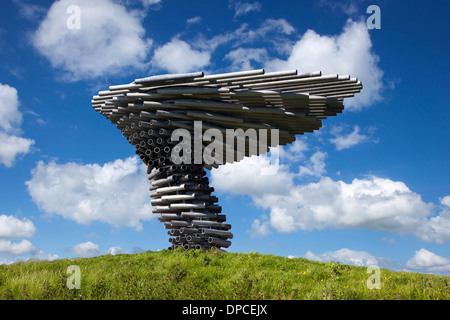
<point x="371" y="187"/>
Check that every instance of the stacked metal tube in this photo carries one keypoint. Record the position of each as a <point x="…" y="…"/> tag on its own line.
<point x="182" y="199"/>
<point x="148" y="110"/>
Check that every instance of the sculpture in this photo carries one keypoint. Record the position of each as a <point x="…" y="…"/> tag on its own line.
<point x="160" y="114"/>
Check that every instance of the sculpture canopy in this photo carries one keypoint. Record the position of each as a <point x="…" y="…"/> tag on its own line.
<point x="290" y="102"/>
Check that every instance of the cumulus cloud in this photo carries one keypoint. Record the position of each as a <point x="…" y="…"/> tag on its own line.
<point x="19" y="248"/>
<point x="446" y="201"/>
<point x="11" y="252"/>
<point x="109" y="39"/>
<point x="344" y="141"/>
<point x="245" y="177"/>
<point x="85" y="250"/>
<point x="347" y="256"/>
<point x="436" y="229"/>
<point x="260" y="227"/>
<point x="12" y="147"/>
<point x="11" y="117"/>
<point x="371" y="203"/>
<point x="41" y="255"/>
<point x="178" y="56"/>
<point x="296" y="150"/>
<point x="428" y="262"/>
<point x="115" y="250"/>
<point x="347" y="53"/>
<point x="315" y="166"/>
<point x="13" y="227"/>
<point x="11" y="144"/>
<point x="115" y="192"/>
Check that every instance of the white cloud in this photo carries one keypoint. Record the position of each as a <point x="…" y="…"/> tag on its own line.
<point x="347" y="7"/>
<point x="273" y="32"/>
<point x="347" y="256"/>
<point x="10" y="116"/>
<point x="12" y="227"/>
<point x="436" y="229"/>
<point x="148" y="3"/>
<point x="296" y="150"/>
<point x="11" y="144"/>
<point x="372" y="203"/>
<point x="41" y="255"/>
<point x="315" y="166"/>
<point x="275" y="26"/>
<point x="30" y="11"/>
<point x="13" y="252"/>
<point x="347" y="53"/>
<point x="193" y="20"/>
<point x="115" y="192"/>
<point x="11" y="147"/>
<point x="85" y="250"/>
<point x="110" y="39"/>
<point x="114" y="250"/>
<point x="345" y="141"/>
<point x="22" y="247"/>
<point x="242" y="8"/>
<point x="428" y="262"/>
<point x="446" y="201"/>
<point x="260" y="227"/>
<point x="10" y="252"/>
<point x="241" y="58"/>
<point x="177" y="56"/>
<point x="244" y="177"/>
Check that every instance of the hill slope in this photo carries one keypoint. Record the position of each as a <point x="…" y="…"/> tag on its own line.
<point x="213" y="274"/>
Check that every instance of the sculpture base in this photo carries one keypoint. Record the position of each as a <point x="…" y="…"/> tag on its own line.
<point x="182" y="199"/>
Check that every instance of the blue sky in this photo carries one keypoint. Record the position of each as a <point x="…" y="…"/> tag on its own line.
<point x="370" y="187"/>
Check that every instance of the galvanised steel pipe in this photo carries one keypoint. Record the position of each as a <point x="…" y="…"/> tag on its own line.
<point x="216" y="232"/>
<point x="219" y="242"/>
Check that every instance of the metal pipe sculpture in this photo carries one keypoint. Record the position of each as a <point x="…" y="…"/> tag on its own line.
<point x="152" y="112"/>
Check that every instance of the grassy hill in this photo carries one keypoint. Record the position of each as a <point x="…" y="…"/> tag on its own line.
<point x="210" y="275"/>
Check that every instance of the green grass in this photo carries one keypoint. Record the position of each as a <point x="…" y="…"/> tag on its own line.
<point x="212" y="274"/>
